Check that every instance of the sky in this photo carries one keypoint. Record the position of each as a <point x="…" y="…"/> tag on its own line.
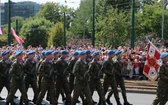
<point x="69" y="3"/>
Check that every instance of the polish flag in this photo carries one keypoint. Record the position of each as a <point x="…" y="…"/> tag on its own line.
<point x="16" y="37"/>
<point x="1" y="31"/>
<point x="152" y="63"/>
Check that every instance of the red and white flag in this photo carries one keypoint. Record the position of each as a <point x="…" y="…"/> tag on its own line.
<point x="16" y="37"/>
<point x="1" y="31"/>
<point x="152" y="63"/>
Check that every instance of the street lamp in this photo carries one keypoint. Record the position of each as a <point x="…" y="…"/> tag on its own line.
<point x="93" y="22"/>
<point x="9" y="22"/>
<point x="132" y="25"/>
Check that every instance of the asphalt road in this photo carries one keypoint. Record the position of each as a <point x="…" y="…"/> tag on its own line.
<point x="134" y="98"/>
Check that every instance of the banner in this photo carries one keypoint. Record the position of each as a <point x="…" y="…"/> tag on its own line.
<point x="16" y="37"/>
<point x="152" y="62"/>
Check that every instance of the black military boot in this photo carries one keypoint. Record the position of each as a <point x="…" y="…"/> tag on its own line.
<point x="2" y="98"/>
<point x="108" y="101"/>
<point x="127" y="103"/>
<point x="7" y="103"/>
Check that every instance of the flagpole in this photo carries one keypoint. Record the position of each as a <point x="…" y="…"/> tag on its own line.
<point x="0" y="13"/>
<point x="152" y="44"/>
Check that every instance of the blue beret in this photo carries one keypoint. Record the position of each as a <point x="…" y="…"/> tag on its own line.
<point x="118" y="52"/>
<point x="95" y="53"/>
<point x="64" y="52"/>
<point x="55" y="53"/>
<point x="48" y="52"/>
<point x="82" y="52"/>
<point x="30" y="52"/>
<point x="43" y="52"/>
<point x="18" y="52"/>
<point x="110" y="52"/>
<point x="3" y="53"/>
<point x="163" y="55"/>
<point x="88" y="51"/>
<point x="75" y="53"/>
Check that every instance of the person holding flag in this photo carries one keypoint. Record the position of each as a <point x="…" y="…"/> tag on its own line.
<point x="162" y="81"/>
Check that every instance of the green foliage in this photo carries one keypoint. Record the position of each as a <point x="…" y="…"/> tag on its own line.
<point x="82" y="21"/>
<point x="150" y="21"/>
<point x="35" y="31"/>
<point x="56" y="35"/>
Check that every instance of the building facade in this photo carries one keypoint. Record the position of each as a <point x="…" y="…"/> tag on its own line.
<point x="24" y="9"/>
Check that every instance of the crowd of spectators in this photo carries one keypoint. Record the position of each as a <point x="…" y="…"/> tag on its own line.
<point x="133" y="59"/>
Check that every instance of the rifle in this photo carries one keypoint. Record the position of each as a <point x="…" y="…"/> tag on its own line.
<point x="65" y="72"/>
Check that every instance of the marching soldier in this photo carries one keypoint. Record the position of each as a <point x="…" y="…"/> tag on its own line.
<point x="81" y="85"/>
<point x="17" y="78"/>
<point x="109" y="80"/>
<point x="95" y="75"/>
<point x="62" y="84"/>
<point x="118" y="67"/>
<point x="31" y="78"/>
<point x="5" y="65"/>
<point x="47" y="81"/>
<point x="162" y="88"/>
<point x="38" y="70"/>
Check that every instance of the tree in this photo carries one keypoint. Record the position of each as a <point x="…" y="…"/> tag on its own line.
<point x="35" y="31"/>
<point x="150" y="21"/>
<point x="56" y="35"/>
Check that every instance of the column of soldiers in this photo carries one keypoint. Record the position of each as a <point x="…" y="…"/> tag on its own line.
<point x="54" y="75"/>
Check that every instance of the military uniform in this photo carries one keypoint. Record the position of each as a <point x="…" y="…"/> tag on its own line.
<point x="162" y="88"/>
<point x="118" y="67"/>
<point x="31" y="77"/>
<point x="109" y="80"/>
<point x="17" y="82"/>
<point x="70" y="70"/>
<point x="61" y="82"/>
<point x="94" y="82"/>
<point x="47" y="81"/>
<point x="4" y="74"/>
<point x="81" y="82"/>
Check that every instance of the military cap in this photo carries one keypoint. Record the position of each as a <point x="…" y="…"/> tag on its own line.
<point x="18" y="52"/>
<point x="64" y="52"/>
<point x="30" y="52"/>
<point x="118" y="52"/>
<point x="88" y="51"/>
<point x="55" y="53"/>
<point x="75" y="53"/>
<point x="48" y="52"/>
<point x="95" y="53"/>
<point x="82" y="52"/>
<point x="3" y="53"/>
<point x="110" y="52"/>
<point x="43" y="52"/>
<point x="163" y="55"/>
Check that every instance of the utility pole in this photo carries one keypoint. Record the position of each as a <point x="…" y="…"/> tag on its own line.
<point x="163" y="10"/>
<point x="64" y="29"/>
<point x="17" y="31"/>
<point x="9" y="22"/>
<point x="93" y="22"/>
<point x="132" y="25"/>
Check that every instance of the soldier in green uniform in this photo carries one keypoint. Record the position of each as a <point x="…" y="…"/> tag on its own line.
<point x="62" y="84"/>
<point x="109" y="80"/>
<point x="30" y="71"/>
<point x="70" y="70"/>
<point x="95" y="75"/>
<point x="162" y="87"/>
<point x="5" y="64"/>
<point x="47" y="82"/>
<point x="118" y="67"/>
<point x="81" y="85"/>
<point x="38" y="70"/>
<point x="17" y="78"/>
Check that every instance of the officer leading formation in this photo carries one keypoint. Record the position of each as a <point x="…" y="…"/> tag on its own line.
<point x="65" y="73"/>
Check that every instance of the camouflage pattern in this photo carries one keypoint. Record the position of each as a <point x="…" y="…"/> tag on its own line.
<point x="81" y="85"/>
<point x="47" y="81"/>
<point x="94" y="82"/>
